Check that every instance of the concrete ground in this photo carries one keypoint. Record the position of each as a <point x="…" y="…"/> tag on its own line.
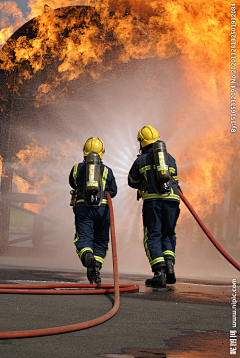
<point x="190" y="319"/>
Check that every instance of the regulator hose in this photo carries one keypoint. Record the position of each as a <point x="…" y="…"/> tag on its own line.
<point x="215" y="243"/>
<point x="38" y="289"/>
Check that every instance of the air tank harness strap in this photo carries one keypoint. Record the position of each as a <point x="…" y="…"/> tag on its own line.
<point x="141" y="190"/>
<point x="79" y="195"/>
<point x="143" y="183"/>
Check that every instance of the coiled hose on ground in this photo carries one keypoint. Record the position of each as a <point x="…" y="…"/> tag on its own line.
<point x="47" y="289"/>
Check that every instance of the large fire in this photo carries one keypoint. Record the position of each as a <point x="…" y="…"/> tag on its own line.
<point x="196" y="33"/>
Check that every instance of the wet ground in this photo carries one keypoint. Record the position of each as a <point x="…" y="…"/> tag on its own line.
<point x="190" y="319"/>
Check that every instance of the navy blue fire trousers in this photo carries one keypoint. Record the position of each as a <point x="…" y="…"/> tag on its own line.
<point x="92" y="231"/>
<point x="159" y="221"/>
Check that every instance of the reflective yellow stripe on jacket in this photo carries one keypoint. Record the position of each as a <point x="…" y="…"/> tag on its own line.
<point x="144" y="170"/>
<point x="133" y="181"/>
<point x="75" y="174"/>
<point x="147" y="196"/>
<point x="104" y="177"/>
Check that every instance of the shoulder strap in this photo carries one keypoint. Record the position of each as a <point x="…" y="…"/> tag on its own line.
<point x="102" y="193"/>
<point x="152" y="176"/>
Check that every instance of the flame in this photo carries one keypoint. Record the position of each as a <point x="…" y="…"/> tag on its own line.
<point x="24" y="187"/>
<point x="11" y="18"/>
<point x="196" y="33"/>
<point x="44" y="167"/>
<point x="30" y="158"/>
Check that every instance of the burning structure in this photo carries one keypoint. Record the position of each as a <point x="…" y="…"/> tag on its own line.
<point x="76" y="69"/>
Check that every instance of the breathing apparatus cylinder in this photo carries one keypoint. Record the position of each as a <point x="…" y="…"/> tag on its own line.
<point x="93" y="186"/>
<point x="92" y="173"/>
<point x="162" y="167"/>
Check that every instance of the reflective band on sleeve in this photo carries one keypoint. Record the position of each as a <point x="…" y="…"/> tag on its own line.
<point x="75" y="174"/>
<point x="133" y="181"/>
<point x="104" y="177"/>
<point x="144" y="171"/>
<point x="172" y="170"/>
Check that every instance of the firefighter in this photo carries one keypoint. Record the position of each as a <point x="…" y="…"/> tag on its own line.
<point x="160" y="206"/>
<point x="91" y="211"/>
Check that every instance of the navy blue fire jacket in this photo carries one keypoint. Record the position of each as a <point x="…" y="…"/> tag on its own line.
<point x="140" y="176"/>
<point x="108" y="181"/>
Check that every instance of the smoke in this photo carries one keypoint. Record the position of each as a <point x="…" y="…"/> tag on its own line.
<point x="141" y="92"/>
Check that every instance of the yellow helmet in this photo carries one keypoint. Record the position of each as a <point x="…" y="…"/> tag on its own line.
<point x="93" y="144"/>
<point x="147" y="135"/>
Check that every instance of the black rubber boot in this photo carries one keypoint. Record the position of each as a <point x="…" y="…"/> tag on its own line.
<point x="170" y="276"/>
<point x="90" y="263"/>
<point x="159" y="279"/>
<point x="97" y="278"/>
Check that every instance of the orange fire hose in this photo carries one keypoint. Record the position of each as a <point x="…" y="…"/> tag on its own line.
<point x="38" y="289"/>
<point x="211" y="238"/>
